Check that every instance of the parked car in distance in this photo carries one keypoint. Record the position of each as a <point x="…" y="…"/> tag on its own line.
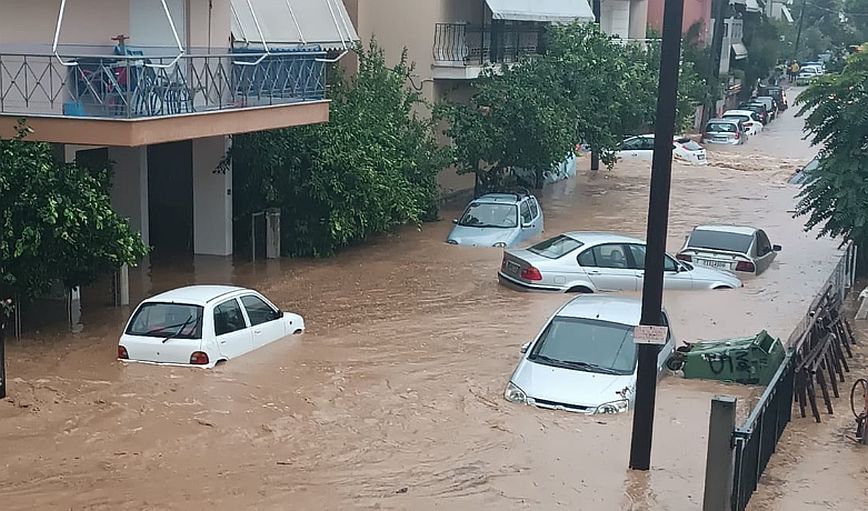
<point x="770" y="104"/>
<point x="203" y="325"/>
<point x="777" y="92"/>
<point x="806" y="174"/>
<point x="749" y="119"/>
<point x="584" y="358"/>
<point x="733" y="248"/>
<point x="759" y="108"/>
<point x="587" y="262"/>
<point x="724" y="131"/>
<point x="806" y="76"/>
<point x="642" y="147"/>
<point x="498" y="220"/>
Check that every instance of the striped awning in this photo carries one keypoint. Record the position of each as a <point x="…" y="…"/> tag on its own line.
<point x="293" y="23"/>
<point x="555" y="11"/>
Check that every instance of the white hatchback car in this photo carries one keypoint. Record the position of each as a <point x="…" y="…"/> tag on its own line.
<point x="641" y="147"/>
<point x="203" y="325"/>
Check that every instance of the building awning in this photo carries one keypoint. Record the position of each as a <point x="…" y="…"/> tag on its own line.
<point x="289" y="23"/>
<point x="556" y="11"/>
<point x="740" y="50"/>
<point x="752" y="6"/>
<point x="785" y="11"/>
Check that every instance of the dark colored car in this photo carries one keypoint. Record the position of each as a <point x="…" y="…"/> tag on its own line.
<point x="759" y="108"/>
<point x="776" y="92"/>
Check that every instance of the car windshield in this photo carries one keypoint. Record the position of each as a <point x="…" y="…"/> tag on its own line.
<point x="586" y="345"/>
<point x="721" y="127"/>
<point x="176" y="320"/>
<point x="720" y="240"/>
<point x="688" y="144"/>
<point x="490" y="214"/>
<point x="556" y="247"/>
<point x="738" y="117"/>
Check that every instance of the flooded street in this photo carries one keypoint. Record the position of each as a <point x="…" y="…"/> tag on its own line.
<point x="393" y="397"/>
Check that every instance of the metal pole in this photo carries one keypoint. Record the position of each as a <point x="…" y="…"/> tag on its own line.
<point x="716" y="51"/>
<point x="799" y="33"/>
<point x="595" y="155"/>
<point x="658" y="220"/>
<point x="719" y="460"/>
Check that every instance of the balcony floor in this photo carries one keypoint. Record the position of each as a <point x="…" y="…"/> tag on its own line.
<point x="169" y="128"/>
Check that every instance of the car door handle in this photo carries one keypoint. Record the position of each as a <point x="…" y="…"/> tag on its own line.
<point x="223" y="342"/>
<point x="257" y="331"/>
<point x="593" y="272"/>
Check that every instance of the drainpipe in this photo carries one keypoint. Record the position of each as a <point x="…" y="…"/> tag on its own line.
<point x="719" y="8"/>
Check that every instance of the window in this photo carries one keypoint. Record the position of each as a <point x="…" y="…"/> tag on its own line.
<point x="554" y="248"/>
<point x="534" y="207"/>
<point x="720" y="240"/>
<point x="638" y="253"/>
<point x="257" y="310"/>
<point x="688" y="144"/>
<point x="180" y="321"/>
<point x="646" y="144"/>
<point x="669" y="264"/>
<point x="228" y="318"/>
<point x="764" y="246"/>
<point x="489" y="214"/>
<point x="610" y="256"/>
<point x="631" y="144"/>
<point x="721" y="127"/>
<point x="586" y="259"/>
<point x="599" y="346"/>
<point x="526" y="217"/>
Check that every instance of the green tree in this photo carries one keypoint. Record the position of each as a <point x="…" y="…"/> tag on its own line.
<point x="836" y="198"/>
<point x="56" y="222"/>
<point x="371" y="168"/>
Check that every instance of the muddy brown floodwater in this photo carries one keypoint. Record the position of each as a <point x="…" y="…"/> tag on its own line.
<point x="393" y="398"/>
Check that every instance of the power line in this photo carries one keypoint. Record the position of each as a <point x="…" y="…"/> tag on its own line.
<point x="838" y="11"/>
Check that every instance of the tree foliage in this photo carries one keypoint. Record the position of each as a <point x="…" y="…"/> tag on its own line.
<point x="587" y="88"/>
<point x="836" y="108"/>
<point x="372" y="167"/>
<point x="56" y="222"/>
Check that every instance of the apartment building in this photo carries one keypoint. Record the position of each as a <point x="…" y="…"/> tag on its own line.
<point x="158" y="86"/>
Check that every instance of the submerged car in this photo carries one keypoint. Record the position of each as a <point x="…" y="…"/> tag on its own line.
<point x="724" y="131"/>
<point x="807" y="173"/>
<point x="584" y="359"/>
<point x="203" y="325"/>
<point x="729" y="247"/>
<point x="642" y="147"/>
<point x="748" y="118"/>
<point x="498" y="220"/>
<point x="588" y="262"/>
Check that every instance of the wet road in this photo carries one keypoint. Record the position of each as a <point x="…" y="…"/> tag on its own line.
<point x="392" y="400"/>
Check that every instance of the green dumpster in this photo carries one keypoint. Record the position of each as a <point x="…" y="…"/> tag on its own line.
<point x="751" y="360"/>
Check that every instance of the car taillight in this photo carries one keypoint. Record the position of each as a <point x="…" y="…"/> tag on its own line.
<point x="684" y="257"/>
<point x="745" y="266"/>
<point x="531" y="273"/>
<point x="122" y="353"/>
<point x="737" y="134"/>
<point x="199" y="358"/>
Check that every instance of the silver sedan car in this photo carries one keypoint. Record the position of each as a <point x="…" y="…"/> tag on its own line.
<point x="729" y="247"/>
<point x="587" y="262"/>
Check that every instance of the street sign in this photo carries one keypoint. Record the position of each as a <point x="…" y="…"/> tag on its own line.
<point x="650" y="334"/>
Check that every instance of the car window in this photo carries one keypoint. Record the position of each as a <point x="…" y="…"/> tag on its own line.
<point x="646" y="144"/>
<point x="489" y="214"/>
<point x="586" y="259"/>
<point x="257" y="310"/>
<point x="631" y="144"/>
<point x="534" y="207"/>
<point x="610" y="256"/>
<point x="601" y="345"/>
<point x="689" y="144"/>
<point x="554" y="248"/>
<point x="637" y="253"/>
<point x="181" y="321"/>
<point x="526" y="216"/>
<point x="669" y="264"/>
<point x="720" y="240"/>
<point x="228" y="318"/>
<point x="721" y="127"/>
<point x="764" y="246"/>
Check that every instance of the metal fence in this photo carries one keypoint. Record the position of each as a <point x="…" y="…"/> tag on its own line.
<point x="755" y="440"/>
<point x="467" y="44"/>
<point x="141" y="86"/>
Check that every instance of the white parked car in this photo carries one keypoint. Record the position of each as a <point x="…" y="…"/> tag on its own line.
<point x="735" y="248"/>
<point x="203" y="325"/>
<point x="642" y="147"/>
<point x="584" y="359"/>
<point x="750" y="120"/>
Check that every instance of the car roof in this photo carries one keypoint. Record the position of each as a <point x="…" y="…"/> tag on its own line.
<point x="651" y="135"/>
<point x="746" y="113"/>
<point x="595" y="237"/>
<point x="616" y="309"/>
<point x="719" y="119"/>
<point x="737" y="229"/>
<point x="196" y="295"/>
<point x="510" y="198"/>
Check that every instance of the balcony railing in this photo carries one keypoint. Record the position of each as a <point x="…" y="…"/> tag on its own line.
<point x="143" y="86"/>
<point x="466" y="44"/>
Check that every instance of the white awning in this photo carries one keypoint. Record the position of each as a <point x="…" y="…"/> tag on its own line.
<point x="786" y="13"/>
<point x="740" y="50"/>
<point x="287" y="23"/>
<point x="556" y="11"/>
<point x="752" y="6"/>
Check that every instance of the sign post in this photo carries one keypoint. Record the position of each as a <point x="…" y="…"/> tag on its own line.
<point x="658" y="224"/>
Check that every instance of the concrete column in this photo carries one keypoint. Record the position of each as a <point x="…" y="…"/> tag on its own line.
<point x="638" y="19"/>
<point x="719" y="460"/>
<point x="130" y="187"/>
<point x="74" y="309"/>
<point x="212" y="198"/>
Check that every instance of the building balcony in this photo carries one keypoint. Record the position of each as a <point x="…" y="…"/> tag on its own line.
<point x="136" y="98"/>
<point x="463" y="50"/>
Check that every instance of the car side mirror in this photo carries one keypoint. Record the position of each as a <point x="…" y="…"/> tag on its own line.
<point x="777" y="248"/>
<point x="525" y="347"/>
<point x="455" y="221"/>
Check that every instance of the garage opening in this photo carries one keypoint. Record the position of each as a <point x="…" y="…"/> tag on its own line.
<point x="170" y="200"/>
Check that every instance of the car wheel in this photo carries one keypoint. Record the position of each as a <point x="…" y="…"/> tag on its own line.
<point x="580" y="289"/>
<point x="675" y="362"/>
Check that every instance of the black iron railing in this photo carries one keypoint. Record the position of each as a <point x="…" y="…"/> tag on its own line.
<point x="143" y="86"/>
<point x="467" y="44"/>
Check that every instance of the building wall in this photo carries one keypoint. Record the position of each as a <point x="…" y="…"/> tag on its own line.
<point x="615" y="17"/>
<point x="694" y="11"/>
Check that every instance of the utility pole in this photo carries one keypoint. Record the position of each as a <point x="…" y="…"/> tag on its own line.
<point x="595" y="155"/>
<point x="799" y="33"/>
<point x="658" y="220"/>
<point x="719" y="8"/>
